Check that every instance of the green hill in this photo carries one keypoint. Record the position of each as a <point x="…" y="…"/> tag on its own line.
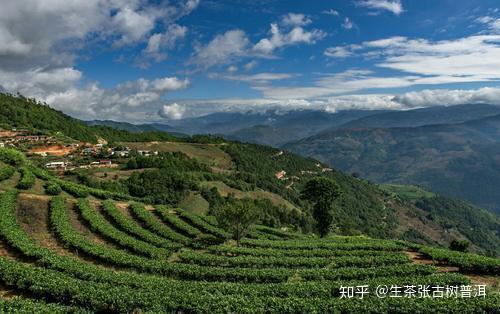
<point x="112" y="240"/>
<point x="458" y="160"/>
<point x="20" y="112"/>
<point x="100" y="252"/>
<point x="208" y="171"/>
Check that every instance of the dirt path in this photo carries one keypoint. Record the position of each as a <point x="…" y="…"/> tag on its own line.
<point x="421" y="259"/>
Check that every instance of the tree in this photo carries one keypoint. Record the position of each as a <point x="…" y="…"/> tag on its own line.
<point x="459" y="245"/>
<point x="236" y="216"/>
<point x="322" y="192"/>
<point x="132" y="164"/>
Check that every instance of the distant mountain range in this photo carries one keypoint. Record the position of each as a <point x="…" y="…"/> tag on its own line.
<point x="269" y="128"/>
<point x="454" y="150"/>
<point x="456" y="159"/>
<point x="394" y="211"/>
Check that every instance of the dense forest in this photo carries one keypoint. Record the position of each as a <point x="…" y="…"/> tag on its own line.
<point x="21" y="112"/>
<point x="171" y="177"/>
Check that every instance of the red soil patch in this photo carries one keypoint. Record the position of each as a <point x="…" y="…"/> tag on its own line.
<point x="54" y="150"/>
<point x="7" y="134"/>
<point x="419" y="258"/>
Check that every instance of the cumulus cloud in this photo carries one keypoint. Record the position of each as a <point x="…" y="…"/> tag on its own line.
<point x="232" y="69"/>
<point x="133" y="100"/>
<point x="250" y="65"/>
<point x="173" y="111"/>
<point x="233" y="44"/>
<point x="32" y="32"/>
<point x="412" y="100"/>
<point x="159" y="43"/>
<point x="493" y="23"/>
<point x="223" y="49"/>
<point x="39" y="41"/>
<point x="338" y="52"/>
<point x="166" y="84"/>
<point x="347" y="24"/>
<point x="296" y="19"/>
<point x="38" y="82"/>
<point x="278" y="39"/>
<point x="445" y="97"/>
<point x="394" y="6"/>
<point x="331" y="12"/>
<point x="132" y="25"/>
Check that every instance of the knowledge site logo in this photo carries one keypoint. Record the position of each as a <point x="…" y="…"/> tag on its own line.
<point x="413" y="291"/>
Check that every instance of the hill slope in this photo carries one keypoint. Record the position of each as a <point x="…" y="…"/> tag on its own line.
<point x="269" y="128"/>
<point x="108" y="256"/>
<point x="459" y="160"/>
<point x="29" y="114"/>
<point x="426" y="116"/>
<point x="190" y="170"/>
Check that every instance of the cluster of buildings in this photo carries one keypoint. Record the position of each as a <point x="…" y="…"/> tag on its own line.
<point x="281" y="175"/>
<point x="66" y="165"/>
<point x="14" y="137"/>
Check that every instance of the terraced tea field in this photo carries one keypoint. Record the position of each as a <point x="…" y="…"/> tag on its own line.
<point x="87" y="250"/>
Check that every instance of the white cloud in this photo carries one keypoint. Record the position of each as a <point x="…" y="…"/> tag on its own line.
<point x="419" y="62"/>
<point x="347" y="24"/>
<point x="296" y="19"/>
<point x="39" y="41"/>
<point x="232" y="69"/>
<point x="331" y="12"/>
<point x="129" y="101"/>
<point x="394" y="6"/>
<point x="338" y="52"/>
<point x="426" y="98"/>
<point x="39" y="82"/>
<point x="254" y="79"/>
<point x="223" y="49"/>
<point x="250" y="65"/>
<point x="159" y="42"/>
<point x="33" y="29"/>
<point x="342" y="51"/>
<point x="493" y="23"/>
<point x="42" y="38"/>
<point x="339" y="83"/>
<point x="297" y="35"/>
<point x="173" y="111"/>
<point x="233" y="44"/>
<point x="445" y="97"/>
<point x="132" y="25"/>
<point x="169" y="84"/>
<point x="474" y="58"/>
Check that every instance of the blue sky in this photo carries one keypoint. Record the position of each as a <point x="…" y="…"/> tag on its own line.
<point x="138" y="60"/>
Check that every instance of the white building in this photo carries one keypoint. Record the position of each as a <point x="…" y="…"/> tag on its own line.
<point x="56" y="165"/>
<point x="2" y="144"/>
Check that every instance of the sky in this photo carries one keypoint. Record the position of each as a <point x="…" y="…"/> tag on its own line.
<point x="155" y="61"/>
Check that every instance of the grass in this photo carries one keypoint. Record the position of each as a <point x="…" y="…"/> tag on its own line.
<point x="194" y="203"/>
<point x="11" y="182"/>
<point x="410" y="192"/>
<point x="224" y="190"/>
<point x="210" y="154"/>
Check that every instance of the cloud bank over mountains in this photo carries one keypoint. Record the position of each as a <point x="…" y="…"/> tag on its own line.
<point x="43" y="45"/>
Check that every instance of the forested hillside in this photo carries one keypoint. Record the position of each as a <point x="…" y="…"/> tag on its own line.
<point x="458" y="160"/>
<point x="202" y="172"/>
<point x="20" y="112"/>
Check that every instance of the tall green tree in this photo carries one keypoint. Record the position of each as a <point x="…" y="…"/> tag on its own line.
<point x="322" y="192"/>
<point x="237" y="216"/>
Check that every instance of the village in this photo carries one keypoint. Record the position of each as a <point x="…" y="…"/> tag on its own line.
<point x="282" y="174"/>
<point x="62" y="156"/>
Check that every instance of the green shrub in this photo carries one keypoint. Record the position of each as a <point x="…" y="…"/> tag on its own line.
<point x="52" y="188"/>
